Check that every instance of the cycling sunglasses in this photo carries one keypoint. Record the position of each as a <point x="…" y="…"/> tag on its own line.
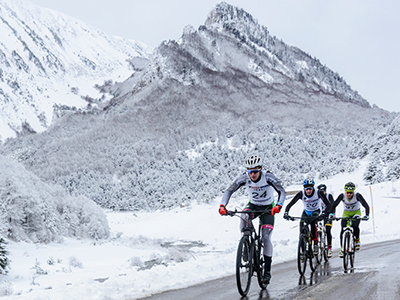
<point x="253" y="171"/>
<point x="308" y="188"/>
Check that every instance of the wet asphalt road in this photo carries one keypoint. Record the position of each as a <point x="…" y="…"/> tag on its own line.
<point x="376" y="276"/>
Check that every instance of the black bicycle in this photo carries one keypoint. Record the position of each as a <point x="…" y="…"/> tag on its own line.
<point x="249" y="257"/>
<point x="349" y="242"/>
<point x="305" y="246"/>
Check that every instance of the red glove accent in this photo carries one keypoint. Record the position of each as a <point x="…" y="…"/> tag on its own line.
<point x="222" y="210"/>
<point x="276" y="209"/>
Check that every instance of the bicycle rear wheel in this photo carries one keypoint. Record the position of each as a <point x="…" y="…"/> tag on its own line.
<point x="346" y="250"/>
<point x="244" y="266"/>
<point x="302" y="254"/>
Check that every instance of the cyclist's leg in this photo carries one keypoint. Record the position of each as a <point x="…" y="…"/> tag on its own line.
<point x="303" y="215"/>
<point x="313" y="224"/>
<point x="246" y="218"/>
<point x="328" y="229"/>
<point x="267" y="227"/>
<point x="356" y="223"/>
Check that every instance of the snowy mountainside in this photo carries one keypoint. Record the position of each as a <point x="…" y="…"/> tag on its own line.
<point x="49" y="58"/>
<point x="182" y="124"/>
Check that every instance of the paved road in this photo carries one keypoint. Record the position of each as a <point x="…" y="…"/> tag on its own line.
<point x="376" y="276"/>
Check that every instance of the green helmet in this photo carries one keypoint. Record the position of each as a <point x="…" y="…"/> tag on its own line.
<point x="350" y="187"/>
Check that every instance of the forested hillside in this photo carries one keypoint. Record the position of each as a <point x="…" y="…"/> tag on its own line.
<point x="180" y="127"/>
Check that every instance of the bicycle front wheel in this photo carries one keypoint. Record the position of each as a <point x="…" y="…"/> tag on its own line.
<point x="320" y="247"/>
<point x="244" y="266"/>
<point x="352" y="251"/>
<point x="302" y="255"/>
<point x="325" y="238"/>
<point x="346" y="251"/>
<point x="260" y="264"/>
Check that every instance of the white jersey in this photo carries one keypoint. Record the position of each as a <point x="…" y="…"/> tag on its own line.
<point x="260" y="192"/>
<point x="351" y="204"/>
<point x="312" y="203"/>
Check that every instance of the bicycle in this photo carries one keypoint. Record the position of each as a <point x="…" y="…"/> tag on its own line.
<point x="249" y="257"/>
<point x="305" y="246"/>
<point x="348" y="242"/>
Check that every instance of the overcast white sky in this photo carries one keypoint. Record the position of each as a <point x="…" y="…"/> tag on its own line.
<point x="359" y="39"/>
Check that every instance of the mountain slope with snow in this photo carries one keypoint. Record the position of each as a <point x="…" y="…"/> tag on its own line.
<point x="197" y="108"/>
<point x="49" y="58"/>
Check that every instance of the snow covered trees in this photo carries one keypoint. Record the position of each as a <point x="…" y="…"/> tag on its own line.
<point x="32" y="210"/>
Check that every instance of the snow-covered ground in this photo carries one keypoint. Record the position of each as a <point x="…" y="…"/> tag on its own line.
<point x="152" y="252"/>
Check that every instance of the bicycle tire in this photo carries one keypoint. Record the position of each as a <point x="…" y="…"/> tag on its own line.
<point x="346" y="249"/>
<point x="259" y="264"/>
<point x="312" y="258"/>
<point x="352" y="252"/>
<point x="321" y="247"/>
<point x="244" y="265"/>
<point x="326" y="257"/>
<point x="302" y="254"/>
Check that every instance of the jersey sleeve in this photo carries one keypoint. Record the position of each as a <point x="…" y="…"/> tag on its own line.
<point x="293" y="201"/>
<point x="276" y="184"/>
<point x="240" y="181"/>
<point x="363" y="203"/>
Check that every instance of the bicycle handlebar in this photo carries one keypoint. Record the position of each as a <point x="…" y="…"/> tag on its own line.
<point x="305" y="218"/>
<point x="234" y="212"/>
<point x="354" y="218"/>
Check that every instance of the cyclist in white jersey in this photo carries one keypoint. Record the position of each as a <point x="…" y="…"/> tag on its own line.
<point x="312" y="207"/>
<point x="260" y="187"/>
<point x="352" y="202"/>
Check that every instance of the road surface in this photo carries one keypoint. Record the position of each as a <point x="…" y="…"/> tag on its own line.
<point x="376" y="276"/>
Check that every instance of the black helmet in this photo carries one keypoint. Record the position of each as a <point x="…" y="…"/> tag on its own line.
<point x="322" y="187"/>
<point x="308" y="182"/>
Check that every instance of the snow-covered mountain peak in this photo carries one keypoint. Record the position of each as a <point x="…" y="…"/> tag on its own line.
<point x="48" y="58"/>
<point x="226" y="16"/>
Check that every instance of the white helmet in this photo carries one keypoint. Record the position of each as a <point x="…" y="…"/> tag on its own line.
<point x="253" y="161"/>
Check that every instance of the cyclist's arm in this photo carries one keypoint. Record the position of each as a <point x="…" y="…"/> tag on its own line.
<point x="336" y="203"/>
<point x="241" y="180"/>
<point x="293" y="201"/>
<point x="363" y="203"/>
<point x="275" y="183"/>
<point x="330" y="199"/>
<point x="322" y="196"/>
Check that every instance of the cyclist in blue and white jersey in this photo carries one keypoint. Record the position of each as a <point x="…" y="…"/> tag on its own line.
<point x="260" y="187"/>
<point x="312" y="207"/>
<point x="327" y="223"/>
<point x="352" y="202"/>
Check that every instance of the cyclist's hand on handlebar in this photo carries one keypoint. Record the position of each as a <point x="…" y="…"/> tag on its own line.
<point x="222" y="210"/>
<point x="286" y="215"/>
<point x="276" y="209"/>
<point x="366" y="218"/>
